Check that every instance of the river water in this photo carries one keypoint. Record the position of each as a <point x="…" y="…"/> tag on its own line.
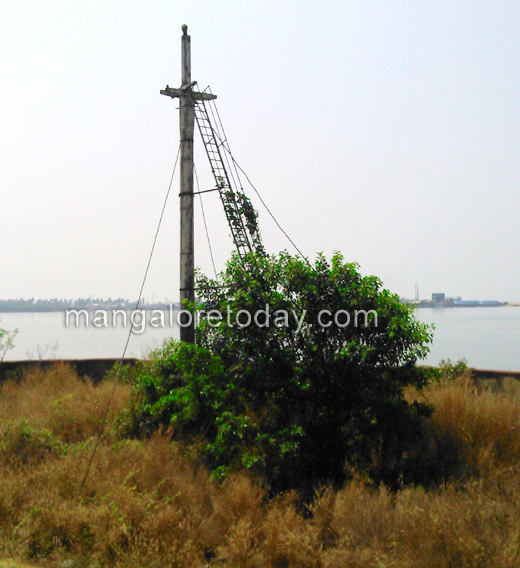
<point x="488" y="338"/>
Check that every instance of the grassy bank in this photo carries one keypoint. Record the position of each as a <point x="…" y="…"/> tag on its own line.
<point x="146" y="504"/>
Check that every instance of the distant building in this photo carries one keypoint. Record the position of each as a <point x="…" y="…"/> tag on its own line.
<point x="465" y="304"/>
<point x="439" y="300"/>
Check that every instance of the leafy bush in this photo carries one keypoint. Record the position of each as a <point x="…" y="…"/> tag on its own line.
<point x="294" y="400"/>
<point x="21" y="443"/>
<point x="6" y="341"/>
<point x="449" y="371"/>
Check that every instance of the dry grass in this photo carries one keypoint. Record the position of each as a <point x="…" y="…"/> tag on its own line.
<point x="146" y="505"/>
<point x="56" y="399"/>
<point x="472" y="433"/>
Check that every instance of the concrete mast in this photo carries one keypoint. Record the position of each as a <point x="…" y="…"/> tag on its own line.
<point x="187" y="99"/>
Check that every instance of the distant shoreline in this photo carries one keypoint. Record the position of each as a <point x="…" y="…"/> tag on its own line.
<point x="476" y="305"/>
<point x="166" y="307"/>
<point x="10" y="306"/>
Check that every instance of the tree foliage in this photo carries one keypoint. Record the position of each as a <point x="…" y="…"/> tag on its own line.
<point x="293" y="400"/>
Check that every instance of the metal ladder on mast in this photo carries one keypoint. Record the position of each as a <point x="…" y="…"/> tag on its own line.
<point x="240" y="214"/>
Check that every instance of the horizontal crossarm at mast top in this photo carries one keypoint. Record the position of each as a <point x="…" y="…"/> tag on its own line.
<point x="187" y="92"/>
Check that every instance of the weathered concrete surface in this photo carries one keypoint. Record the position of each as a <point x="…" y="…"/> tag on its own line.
<point x="95" y="369"/>
<point x="507" y="382"/>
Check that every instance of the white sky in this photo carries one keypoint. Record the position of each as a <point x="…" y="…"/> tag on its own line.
<point x="387" y="130"/>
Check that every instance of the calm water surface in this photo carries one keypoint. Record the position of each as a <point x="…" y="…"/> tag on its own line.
<point x="45" y="335"/>
<point x="488" y="338"/>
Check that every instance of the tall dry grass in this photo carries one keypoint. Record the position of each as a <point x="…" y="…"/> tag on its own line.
<point x="472" y="433"/>
<point x="145" y="504"/>
<point x="58" y="400"/>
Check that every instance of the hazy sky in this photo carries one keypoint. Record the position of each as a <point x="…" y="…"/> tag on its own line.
<point x="387" y="130"/>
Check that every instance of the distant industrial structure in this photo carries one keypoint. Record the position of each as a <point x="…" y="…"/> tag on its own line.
<point x="439" y="300"/>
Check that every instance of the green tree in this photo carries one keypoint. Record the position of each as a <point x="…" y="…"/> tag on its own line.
<point x="286" y="396"/>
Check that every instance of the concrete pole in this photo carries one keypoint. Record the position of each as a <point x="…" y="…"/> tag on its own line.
<point x="187" y="124"/>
